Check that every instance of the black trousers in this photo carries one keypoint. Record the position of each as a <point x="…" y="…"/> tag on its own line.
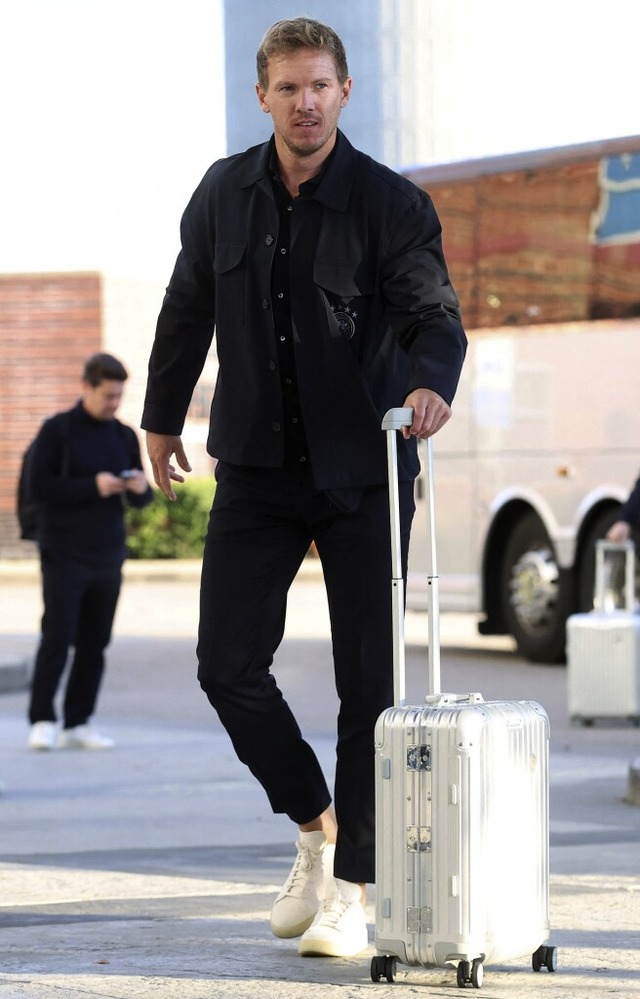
<point x="79" y="606"/>
<point x="260" y="529"/>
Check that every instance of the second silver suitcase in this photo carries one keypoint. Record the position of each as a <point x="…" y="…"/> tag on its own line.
<point x="462" y="824"/>
<point x="603" y="646"/>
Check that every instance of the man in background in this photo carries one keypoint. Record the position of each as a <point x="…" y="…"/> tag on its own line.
<point x="84" y="470"/>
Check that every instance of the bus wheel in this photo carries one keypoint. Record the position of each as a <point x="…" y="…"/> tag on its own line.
<point x="534" y="593"/>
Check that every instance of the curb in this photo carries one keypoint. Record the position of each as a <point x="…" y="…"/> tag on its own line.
<point x="14" y="674"/>
<point x="141" y="570"/>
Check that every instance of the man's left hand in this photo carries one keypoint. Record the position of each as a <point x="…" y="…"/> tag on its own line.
<point x="136" y="482"/>
<point x="430" y="413"/>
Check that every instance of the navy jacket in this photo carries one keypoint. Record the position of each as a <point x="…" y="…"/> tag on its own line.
<point x="74" y="521"/>
<point x="630" y="511"/>
<point x="379" y="255"/>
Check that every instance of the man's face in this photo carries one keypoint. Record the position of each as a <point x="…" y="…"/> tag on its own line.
<point x="304" y="99"/>
<point x="101" y="401"/>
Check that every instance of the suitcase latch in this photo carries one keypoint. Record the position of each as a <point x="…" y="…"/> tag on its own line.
<point x="419" y="758"/>
<point x="418" y="839"/>
<point x="419" y="919"/>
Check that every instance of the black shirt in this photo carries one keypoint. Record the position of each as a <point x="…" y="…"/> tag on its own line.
<point x="296" y="214"/>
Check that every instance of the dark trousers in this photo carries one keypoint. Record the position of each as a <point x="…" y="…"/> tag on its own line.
<point x="260" y="529"/>
<point x="79" y="606"/>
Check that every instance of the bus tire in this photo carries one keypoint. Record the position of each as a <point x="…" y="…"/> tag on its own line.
<point x="534" y="592"/>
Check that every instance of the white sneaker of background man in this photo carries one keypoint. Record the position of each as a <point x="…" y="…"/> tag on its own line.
<point x="327" y="912"/>
<point x="83" y="737"/>
<point x="43" y="735"/>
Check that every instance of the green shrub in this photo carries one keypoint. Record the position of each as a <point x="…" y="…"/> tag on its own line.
<point x="166" y="529"/>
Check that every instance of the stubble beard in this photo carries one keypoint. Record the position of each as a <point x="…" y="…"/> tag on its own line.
<point x="303" y="152"/>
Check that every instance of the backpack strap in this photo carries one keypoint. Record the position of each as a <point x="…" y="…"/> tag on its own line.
<point x="65" y="423"/>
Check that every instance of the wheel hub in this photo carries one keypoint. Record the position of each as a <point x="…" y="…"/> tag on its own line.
<point x="534" y="588"/>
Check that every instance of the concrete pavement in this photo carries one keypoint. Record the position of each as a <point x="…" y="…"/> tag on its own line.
<point x="150" y="870"/>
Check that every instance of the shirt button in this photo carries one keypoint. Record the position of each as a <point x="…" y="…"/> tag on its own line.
<point x="295" y="419"/>
<point x="265" y="303"/>
<point x="303" y="458"/>
<point x="275" y="427"/>
<point x="269" y="240"/>
<point x="283" y="250"/>
<point x="288" y="381"/>
<point x="280" y="294"/>
<point x="289" y="208"/>
<point x="283" y="338"/>
<point x="272" y="365"/>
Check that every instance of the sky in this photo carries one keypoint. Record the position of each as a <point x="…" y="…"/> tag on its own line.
<point x="113" y="109"/>
<point x="532" y="74"/>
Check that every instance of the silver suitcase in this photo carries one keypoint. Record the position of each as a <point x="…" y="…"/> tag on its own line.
<point x="462" y="823"/>
<point x="603" y="646"/>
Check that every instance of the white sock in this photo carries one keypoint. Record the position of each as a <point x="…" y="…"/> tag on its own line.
<point x="312" y="840"/>
<point x="350" y="891"/>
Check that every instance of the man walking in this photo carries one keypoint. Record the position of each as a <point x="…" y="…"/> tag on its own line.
<point x="323" y="274"/>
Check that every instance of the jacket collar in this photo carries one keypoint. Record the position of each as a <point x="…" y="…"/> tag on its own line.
<point x="335" y="186"/>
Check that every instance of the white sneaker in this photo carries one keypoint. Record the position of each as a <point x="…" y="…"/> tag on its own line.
<point x="83" y="737"/>
<point x="303" y="892"/>
<point x="43" y="735"/>
<point x="340" y="927"/>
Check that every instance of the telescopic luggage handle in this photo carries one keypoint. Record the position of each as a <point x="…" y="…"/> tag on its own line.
<point x="606" y="585"/>
<point x="393" y="421"/>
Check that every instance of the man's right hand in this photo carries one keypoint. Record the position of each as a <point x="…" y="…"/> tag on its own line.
<point x="619" y="532"/>
<point x="160" y="448"/>
<point x="109" y="485"/>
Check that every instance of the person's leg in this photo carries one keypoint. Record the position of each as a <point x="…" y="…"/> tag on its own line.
<point x="93" y="634"/>
<point x="254" y="546"/>
<point x="61" y="594"/>
<point x="253" y="549"/>
<point x="356" y="557"/>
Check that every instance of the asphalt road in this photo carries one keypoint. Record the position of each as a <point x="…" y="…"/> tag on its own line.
<point x="150" y="869"/>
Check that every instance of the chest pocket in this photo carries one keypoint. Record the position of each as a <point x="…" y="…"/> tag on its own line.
<point x="228" y="256"/>
<point x="348" y="299"/>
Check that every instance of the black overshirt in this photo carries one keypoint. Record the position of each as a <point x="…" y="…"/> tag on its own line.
<point x="373" y="316"/>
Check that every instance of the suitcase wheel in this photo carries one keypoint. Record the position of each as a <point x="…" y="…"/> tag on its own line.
<point x="383" y="967"/>
<point x="545" y="957"/>
<point x="470" y="973"/>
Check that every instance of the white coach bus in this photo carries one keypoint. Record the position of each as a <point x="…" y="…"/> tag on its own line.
<point x="544" y="443"/>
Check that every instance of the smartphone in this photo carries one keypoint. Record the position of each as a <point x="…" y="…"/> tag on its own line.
<point x="128" y="474"/>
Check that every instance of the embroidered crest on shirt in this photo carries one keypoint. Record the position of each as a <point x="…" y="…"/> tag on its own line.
<point x="346" y="319"/>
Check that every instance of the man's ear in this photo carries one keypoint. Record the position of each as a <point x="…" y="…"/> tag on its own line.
<point x="346" y="91"/>
<point x="262" y="98"/>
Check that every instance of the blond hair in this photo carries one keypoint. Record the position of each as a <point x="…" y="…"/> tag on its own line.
<point x="300" y="33"/>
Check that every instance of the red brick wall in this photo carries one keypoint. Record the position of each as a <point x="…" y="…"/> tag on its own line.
<point x="49" y="325"/>
<point x="518" y="244"/>
<point x="517" y="234"/>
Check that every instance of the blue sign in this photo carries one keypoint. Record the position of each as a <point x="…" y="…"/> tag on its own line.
<point x="617" y="219"/>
